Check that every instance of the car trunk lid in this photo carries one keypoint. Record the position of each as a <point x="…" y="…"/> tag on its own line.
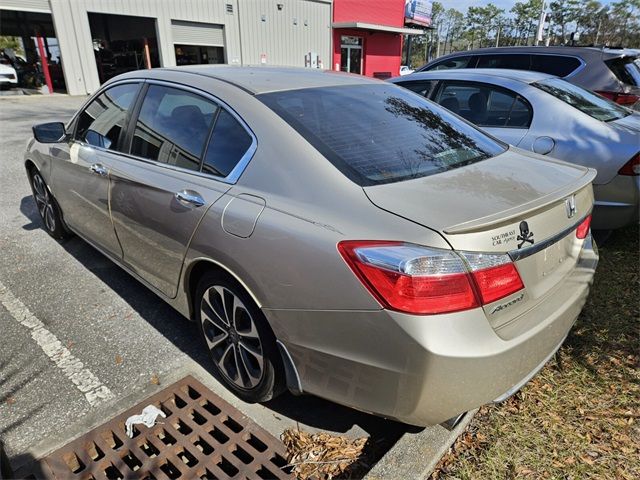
<point x="514" y="203"/>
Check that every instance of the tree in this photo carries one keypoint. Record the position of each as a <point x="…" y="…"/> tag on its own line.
<point x="14" y="43"/>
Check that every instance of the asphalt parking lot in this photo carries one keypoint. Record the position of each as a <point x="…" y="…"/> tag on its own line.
<point x="123" y="340"/>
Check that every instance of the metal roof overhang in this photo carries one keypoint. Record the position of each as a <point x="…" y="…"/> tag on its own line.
<point x="379" y="28"/>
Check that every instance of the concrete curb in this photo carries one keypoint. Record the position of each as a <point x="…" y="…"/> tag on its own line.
<point x="416" y="455"/>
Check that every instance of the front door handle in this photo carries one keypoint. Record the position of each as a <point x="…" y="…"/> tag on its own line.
<point x="98" y="169"/>
<point x="190" y="197"/>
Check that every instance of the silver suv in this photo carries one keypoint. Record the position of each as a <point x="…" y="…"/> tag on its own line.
<point x="613" y="73"/>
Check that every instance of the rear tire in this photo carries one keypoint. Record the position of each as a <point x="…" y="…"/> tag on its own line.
<point x="238" y="338"/>
<point x="47" y="207"/>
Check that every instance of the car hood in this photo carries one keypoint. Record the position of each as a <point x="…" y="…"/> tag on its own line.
<point x="484" y="197"/>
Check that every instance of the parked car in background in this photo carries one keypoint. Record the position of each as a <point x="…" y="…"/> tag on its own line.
<point x="613" y="73"/>
<point x="330" y="232"/>
<point x="8" y="75"/>
<point x="549" y="116"/>
<point x="404" y="70"/>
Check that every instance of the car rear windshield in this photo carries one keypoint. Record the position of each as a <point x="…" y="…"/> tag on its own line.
<point x="587" y="102"/>
<point x="626" y="69"/>
<point x="381" y="133"/>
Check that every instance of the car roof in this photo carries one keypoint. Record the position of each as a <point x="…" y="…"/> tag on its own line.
<point x="582" y="52"/>
<point x="525" y="76"/>
<point x="257" y="80"/>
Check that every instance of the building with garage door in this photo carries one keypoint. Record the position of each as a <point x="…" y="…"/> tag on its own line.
<point x="86" y="42"/>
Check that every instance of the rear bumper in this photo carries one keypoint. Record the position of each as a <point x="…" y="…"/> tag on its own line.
<point x="423" y="370"/>
<point x="617" y="203"/>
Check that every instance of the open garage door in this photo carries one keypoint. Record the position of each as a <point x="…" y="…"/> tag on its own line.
<point x="123" y="43"/>
<point x="197" y="43"/>
<point x="28" y="38"/>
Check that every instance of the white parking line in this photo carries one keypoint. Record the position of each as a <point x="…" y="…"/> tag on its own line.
<point x="84" y="380"/>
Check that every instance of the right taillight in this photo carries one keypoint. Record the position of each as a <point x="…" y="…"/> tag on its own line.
<point x="632" y="167"/>
<point x="583" y="229"/>
<point x="420" y="280"/>
<point x="620" y="98"/>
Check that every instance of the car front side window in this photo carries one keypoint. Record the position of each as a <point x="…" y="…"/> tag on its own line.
<point x="173" y="127"/>
<point x="102" y="122"/>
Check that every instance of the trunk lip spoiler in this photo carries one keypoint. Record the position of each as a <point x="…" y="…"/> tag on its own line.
<point x="538" y="247"/>
<point x="507" y="216"/>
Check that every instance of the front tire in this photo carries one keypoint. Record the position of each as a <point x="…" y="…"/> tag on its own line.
<point x="47" y="207"/>
<point x="239" y="340"/>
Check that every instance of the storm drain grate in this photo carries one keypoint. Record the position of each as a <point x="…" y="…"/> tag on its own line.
<point x="202" y="437"/>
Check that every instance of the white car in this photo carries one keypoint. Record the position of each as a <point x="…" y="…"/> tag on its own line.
<point x="8" y="75"/>
<point x="404" y="70"/>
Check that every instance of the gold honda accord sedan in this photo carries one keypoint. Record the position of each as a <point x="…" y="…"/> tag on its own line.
<point x="330" y="233"/>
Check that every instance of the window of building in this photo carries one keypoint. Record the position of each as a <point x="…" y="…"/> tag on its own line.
<point x="229" y="143"/>
<point x="485" y="105"/>
<point x="173" y="126"/>
<point x="103" y="121"/>
<point x="198" y="55"/>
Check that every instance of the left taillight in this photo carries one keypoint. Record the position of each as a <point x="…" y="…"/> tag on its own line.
<point x="421" y="280"/>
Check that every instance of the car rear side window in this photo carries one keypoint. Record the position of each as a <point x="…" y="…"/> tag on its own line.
<point x="173" y="126"/>
<point x="558" y="65"/>
<point x="102" y="122"/>
<point x="485" y="105"/>
<point x="228" y="144"/>
<point x="587" y="102"/>
<point x="421" y="87"/>
<point x="381" y="133"/>
<point x="513" y="61"/>
<point x="626" y="69"/>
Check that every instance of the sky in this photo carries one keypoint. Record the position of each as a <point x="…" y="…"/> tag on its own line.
<point x="462" y="5"/>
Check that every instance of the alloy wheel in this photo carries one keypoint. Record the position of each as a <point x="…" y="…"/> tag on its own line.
<point x="44" y="202"/>
<point x="232" y="337"/>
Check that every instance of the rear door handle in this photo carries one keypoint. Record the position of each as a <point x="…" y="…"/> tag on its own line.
<point x="98" y="169"/>
<point x="190" y="197"/>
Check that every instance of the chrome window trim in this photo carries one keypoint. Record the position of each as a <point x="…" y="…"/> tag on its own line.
<point x="235" y="173"/>
<point x="538" y="247"/>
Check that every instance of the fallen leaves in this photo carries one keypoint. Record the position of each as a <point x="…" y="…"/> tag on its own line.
<point x="321" y="455"/>
<point x="578" y="418"/>
<point x="155" y="380"/>
<point x="119" y="359"/>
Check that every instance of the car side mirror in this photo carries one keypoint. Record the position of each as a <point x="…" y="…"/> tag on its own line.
<point x="53" y="132"/>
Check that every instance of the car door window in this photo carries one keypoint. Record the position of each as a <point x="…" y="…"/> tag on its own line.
<point x="451" y="63"/>
<point x="421" y="87"/>
<point x="228" y="144"/>
<point x="102" y="122"/>
<point x="515" y="62"/>
<point x="173" y="126"/>
<point x="485" y="105"/>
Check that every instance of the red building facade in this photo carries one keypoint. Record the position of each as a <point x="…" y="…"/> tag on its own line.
<point x="367" y="36"/>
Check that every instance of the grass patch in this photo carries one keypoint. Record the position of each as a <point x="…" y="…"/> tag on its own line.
<point x="580" y="416"/>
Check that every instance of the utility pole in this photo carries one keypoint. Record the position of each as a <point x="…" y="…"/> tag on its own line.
<point x="498" y="35"/>
<point x="543" y="16"/>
